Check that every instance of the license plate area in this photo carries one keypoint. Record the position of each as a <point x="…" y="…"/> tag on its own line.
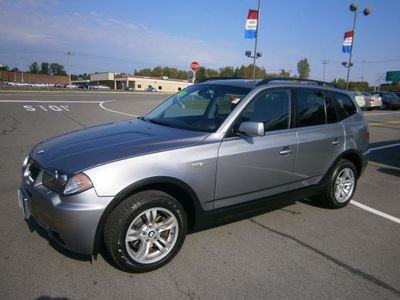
<point x="22" y="203"/>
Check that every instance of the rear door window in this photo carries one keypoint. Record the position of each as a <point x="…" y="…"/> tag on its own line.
<point x="310" y="107"/>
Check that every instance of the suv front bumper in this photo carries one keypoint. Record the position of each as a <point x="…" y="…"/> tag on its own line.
<point x="71" y="221"/>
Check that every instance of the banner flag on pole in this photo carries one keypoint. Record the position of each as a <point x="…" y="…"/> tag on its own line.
<point x="251" y="25"/>
<point x="348" y="40"/>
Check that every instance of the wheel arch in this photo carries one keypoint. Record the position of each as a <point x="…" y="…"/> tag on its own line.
<point x="351" y="155"/>
<point x="356" y="158"/>
<point x="176" y="188"/>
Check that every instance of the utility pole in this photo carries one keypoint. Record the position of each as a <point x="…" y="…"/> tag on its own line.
<point x="69" y="69"/>
<point x="325" y="62"/>
<point x="363" y="64"/>
<point x="255" y="47"/>
<point x="22" y="70"/>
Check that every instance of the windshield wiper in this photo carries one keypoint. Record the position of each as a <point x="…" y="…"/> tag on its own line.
<point x="158" y="122"/>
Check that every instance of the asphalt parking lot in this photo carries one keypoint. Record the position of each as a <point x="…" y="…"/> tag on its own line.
<point x="299" y="251"/>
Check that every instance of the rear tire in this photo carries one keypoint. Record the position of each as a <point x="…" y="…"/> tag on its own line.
<point x="341" y="185"/>
<point x="145" y="231"/>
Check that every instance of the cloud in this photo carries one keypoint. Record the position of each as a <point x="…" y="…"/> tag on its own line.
<point x="94" y="33"/>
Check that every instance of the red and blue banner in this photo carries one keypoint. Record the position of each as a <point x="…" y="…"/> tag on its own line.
<point x="348" y="41"/>
<point x="251" y="24"/>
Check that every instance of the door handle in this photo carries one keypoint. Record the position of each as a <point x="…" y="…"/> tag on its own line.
<point x="286" y="151"/>
<point x="336" y="142"/>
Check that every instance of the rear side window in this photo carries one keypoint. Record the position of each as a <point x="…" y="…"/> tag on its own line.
<point x="346" y="107"/>
<point x="310" y="107"/>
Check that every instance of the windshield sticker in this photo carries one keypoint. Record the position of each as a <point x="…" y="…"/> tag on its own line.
<point x="181" y="94"/>
<point x="234" y="99"/>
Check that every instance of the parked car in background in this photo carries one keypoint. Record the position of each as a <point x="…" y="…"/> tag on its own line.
<point x="150" y="89"/>
<point x="389" y="100"/>
<point x="397" y="93"/>
<point x="372" y="101"/>
<point x="99" y="87"/>
<point x="360" y="99"/>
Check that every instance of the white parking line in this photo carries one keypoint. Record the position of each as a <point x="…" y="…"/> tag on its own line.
<point x="370" y="209"/>
<point x="374" y="211"/>
<point x="382" y="113"/>
<point x="114" y="111"/>
<point x="384" y="147"/>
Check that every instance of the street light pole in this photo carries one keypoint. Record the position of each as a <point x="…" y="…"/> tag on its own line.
<point x="255" y="47"/>
<point x="324" y="62"/>
<point x="367" y="11"/>
<point x="69" y="69"/>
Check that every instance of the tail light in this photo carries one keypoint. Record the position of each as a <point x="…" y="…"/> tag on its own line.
<point x="371" y="100"/>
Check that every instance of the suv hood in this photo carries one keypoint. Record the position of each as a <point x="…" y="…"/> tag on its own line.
<point x="86" y="148"/>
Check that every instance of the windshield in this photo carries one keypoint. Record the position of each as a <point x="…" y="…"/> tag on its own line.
<point x="198" y="107"/>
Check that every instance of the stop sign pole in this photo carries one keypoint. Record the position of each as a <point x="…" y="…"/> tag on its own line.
<point x="194" y="66"/>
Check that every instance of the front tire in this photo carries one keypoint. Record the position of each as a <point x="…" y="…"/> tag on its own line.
<point x="145" y="231"/>
<point x="341" y="185"/>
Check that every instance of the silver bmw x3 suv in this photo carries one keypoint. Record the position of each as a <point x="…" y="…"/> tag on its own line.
<point x="215" y="149"/>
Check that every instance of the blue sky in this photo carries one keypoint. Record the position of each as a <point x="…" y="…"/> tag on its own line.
<point x="124" y="35"/>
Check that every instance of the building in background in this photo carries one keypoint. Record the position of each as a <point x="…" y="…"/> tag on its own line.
<point x="133" y="82"/>
<point x="9" y="76"/>
<point x="110" y="80"/>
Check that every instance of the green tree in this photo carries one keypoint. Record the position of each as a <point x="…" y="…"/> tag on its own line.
<point x="212" y="73"/>
<point x="157" y="72"/>
<point x="3" y="67"/>
<point x="144" y="72"/>
<point x="227" y="72"/>
<point x="201" y="74"/>
<point x="57" y="69"/>
<point x="182" y="75"/>
<point x="359" y="86"/>
<point x="44" y="68"/>
<point x="340" y="82"/>
<point x="167" y="72"/>
<point x="303" y="67"/>
<point x="243" y="72"/>
<point x="34" y="68"/>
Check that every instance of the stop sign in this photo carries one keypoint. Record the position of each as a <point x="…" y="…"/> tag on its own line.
<point x="194" y="66"/>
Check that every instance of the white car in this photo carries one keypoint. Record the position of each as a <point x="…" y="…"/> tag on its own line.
<point x="372" y="101"/>
<point x="360" y="99"/>
<point x="100" y="87"/>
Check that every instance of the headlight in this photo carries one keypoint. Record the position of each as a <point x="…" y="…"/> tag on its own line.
<point x="66" y="184"/>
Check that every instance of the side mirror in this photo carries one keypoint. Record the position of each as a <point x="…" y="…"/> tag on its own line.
<point x="252" y="128"/>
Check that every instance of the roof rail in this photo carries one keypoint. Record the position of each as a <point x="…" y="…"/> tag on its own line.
<point x="216" y="78"/>
<point x="322" y="83"/>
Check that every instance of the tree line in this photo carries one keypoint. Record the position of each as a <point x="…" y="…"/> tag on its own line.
<point x="44" y="68"/>
<point x="303" y="69"/>
<point x="174" y="73"/>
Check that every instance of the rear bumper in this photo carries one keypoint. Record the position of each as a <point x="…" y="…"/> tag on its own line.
<point x="364" y="163"/>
